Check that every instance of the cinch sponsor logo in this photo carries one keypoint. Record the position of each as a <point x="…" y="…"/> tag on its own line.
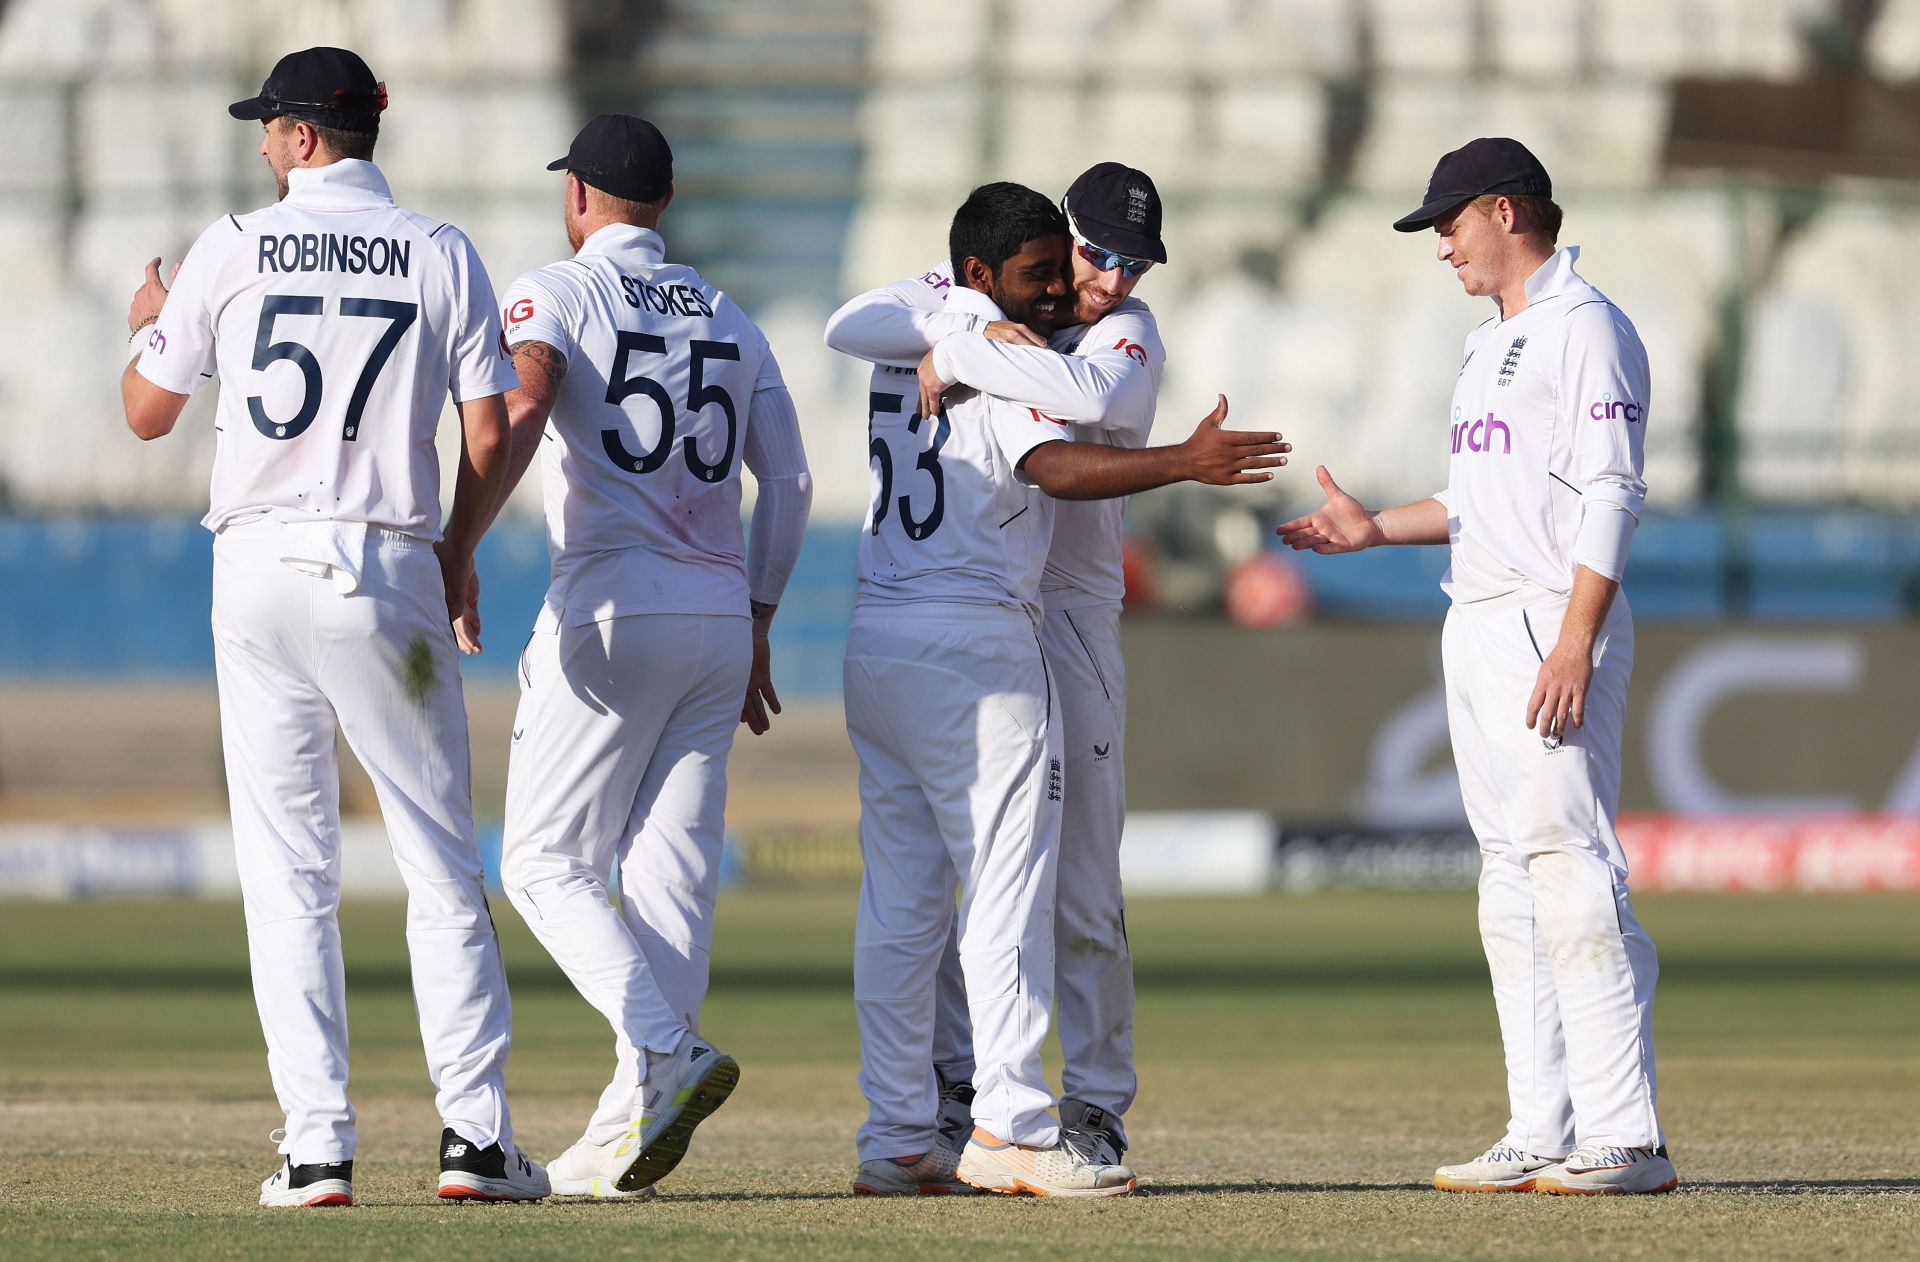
<point x="1609" y="408"/>
<point x="1477" y="434"/>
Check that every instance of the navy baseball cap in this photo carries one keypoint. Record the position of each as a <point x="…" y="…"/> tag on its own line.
<point x="1491" y="164"/>
<point x="1116" y="208"/>
<point x="328" y="87"/>
<point x="620" y="155"/>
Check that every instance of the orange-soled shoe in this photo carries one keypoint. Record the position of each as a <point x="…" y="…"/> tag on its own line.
<point x="1501" y="1168"/>
<point x="996" y="1165"/>
<point x="1610" y="1170"/>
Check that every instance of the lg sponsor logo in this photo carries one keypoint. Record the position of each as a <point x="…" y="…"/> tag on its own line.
<point x="1610" y="408"/>
<point x="1477" y="434"/>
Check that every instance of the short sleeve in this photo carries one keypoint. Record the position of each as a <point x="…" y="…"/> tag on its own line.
<point x="179" y="351"/>
<point x="534" y="310"/>
<point x="478" y="362"/>
<point x="1018" y="430"/>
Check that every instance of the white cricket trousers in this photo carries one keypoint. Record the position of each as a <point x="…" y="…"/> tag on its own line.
<point x="297" y="660"/>
<point x="1573" y="971"/>
<point x="952" y="714"/>
<point x="618" y="779"/>
<point x="1093" y="966"/>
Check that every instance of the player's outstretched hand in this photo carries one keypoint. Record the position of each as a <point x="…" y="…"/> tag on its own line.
<point x="1231" y="457"/>
<point x="1342" y="524"/>
<point x="463" y="595"/>
<point x="760" y="695"/>
<point x="931" y="387"/>
<point x="1017" y="334"/>
<point x="150" y="297"/>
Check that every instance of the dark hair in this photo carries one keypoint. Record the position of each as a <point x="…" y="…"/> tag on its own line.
<point x="340" y="142"/>
<point x="1537" y="214"/>
<point x="995" y="221"/>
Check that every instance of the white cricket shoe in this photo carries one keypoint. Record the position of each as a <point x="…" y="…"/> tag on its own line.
<point x="1501" y="1168"/>
<point x="932" y="1173"/>
<point x="498" y="1172"/>
<point x="1608" y="1170"/>
<point x="681" y="1092"/>
<point x="994" y="1165"/>
<point x="322" y="1183"/>
<point x="576" y="1172"/>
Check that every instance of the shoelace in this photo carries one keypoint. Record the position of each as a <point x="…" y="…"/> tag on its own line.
<point x="1085" y="1145"/>
<point x="1503" y="1153"/>
<point x="1592" y="1156"/>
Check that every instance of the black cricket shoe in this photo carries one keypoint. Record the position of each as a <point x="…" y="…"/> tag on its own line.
<point x="294" y="1187"/>
<point x="498" y="1172"/>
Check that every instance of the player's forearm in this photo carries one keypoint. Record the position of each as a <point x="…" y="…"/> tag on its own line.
<point x="1089" y="471"/>
<point x="774" y="535"/>
<point x="485" y="446"/>
<point x="882" y="328"/>
<point x="1424" y="521"/>
<point x="1587" y="608"/>
<point x="1083" y="389"/>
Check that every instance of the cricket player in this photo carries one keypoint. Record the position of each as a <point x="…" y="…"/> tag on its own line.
<point x="647" y="388"/>
<point x="951" y="709"/>
<point x="1101" y="373"/>
<point x="1543" y="492"/>
<point x="339" y="324"/>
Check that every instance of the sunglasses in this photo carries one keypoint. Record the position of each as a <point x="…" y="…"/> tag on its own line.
<point x="1107" y="260"/>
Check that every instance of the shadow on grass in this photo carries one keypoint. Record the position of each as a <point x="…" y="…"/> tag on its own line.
<point x="1221" y="1189"/>
<point x="533" y="976"/>
<point x="1804" y="1187"/>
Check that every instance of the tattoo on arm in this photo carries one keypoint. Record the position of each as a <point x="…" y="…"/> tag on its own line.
<point x="542" y="368"/>
<point x="760" y="610"/>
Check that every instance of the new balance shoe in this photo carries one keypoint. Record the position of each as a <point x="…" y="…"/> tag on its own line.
<point x="498" y="1172"/>
<point x="1607" y="1170"/>
<point x="1092" y="1132"/>
<point x="682" y="1090"/>
<point x="932" y="1173"/>
<point x="323" y="1183"/>
<point x="995" y="1165"/>
<point x="1501" y="1168"/>
<point x="955" y="1120"/>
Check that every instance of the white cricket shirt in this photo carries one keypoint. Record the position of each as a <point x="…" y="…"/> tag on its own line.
<point x="641" y="463"/>
<point x="1103" y="378"/>
<point x="950" y="518"/>
<point x="338" y="323"/>
<point x="1548" y="438"/>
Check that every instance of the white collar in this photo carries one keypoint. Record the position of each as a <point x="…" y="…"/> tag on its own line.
<point x="346" y="182"/>
<point x="971" y="301"/>
<point x="623" y="238"/>
<point x="1554" y="276"/>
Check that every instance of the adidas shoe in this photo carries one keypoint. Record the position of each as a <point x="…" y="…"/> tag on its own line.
<point x="1501" y="1168"/>
<point x="576" y="1172"/>
<point x="323" y="1183"/>
<point x="932" y="1173"/>
<point x="681" y="1092"/>
<point x="1092" y="1132"/>
<point x="996" y="1166"/>
<point x="1607" y="1170"/>
<point x="955" y="1120"/>
<point x="498" y="1172"/>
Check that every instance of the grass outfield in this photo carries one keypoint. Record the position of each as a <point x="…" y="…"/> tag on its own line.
<point x="1306" y="1062"/>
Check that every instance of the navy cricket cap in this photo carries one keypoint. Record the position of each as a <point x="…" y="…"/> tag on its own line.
<point x="1116" y="208"/>
<point x="1488" y="165"/>
<point x="328" y="87"/>
<point x="620" y="155"/>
